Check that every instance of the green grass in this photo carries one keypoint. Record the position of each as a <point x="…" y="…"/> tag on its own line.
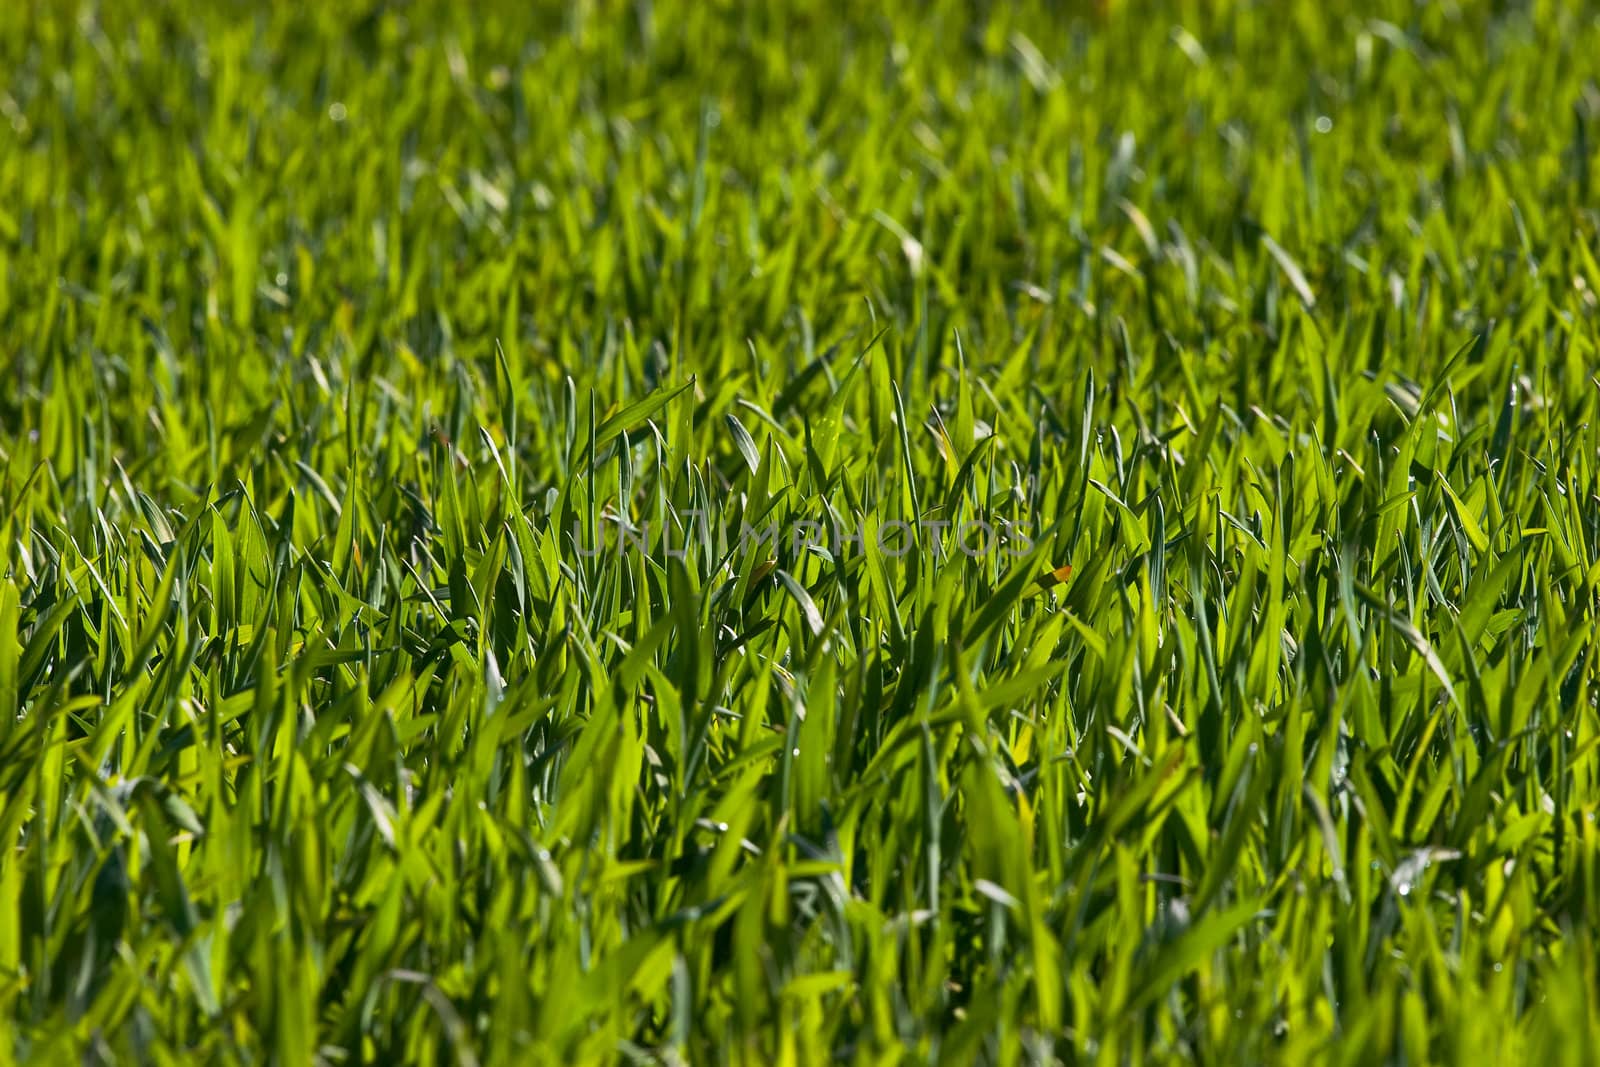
<point x="340" y="342"/>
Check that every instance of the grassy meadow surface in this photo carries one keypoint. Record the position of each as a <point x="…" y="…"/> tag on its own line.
<point x="335" y="727"/>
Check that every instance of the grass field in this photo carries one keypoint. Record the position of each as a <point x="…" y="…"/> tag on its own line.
<point x="539" y="533"/>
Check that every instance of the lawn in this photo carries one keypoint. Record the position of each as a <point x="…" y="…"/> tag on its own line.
<point x="689" y="531"/>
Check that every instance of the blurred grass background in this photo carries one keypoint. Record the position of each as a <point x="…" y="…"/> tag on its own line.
<point x="333" y="332"/>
